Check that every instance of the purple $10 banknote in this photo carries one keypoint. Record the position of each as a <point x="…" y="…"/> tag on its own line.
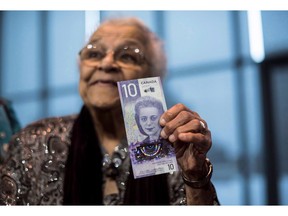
<point x="143" y="103"/>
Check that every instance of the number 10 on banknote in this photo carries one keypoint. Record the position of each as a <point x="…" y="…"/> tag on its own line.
<point x="143" y="103"/>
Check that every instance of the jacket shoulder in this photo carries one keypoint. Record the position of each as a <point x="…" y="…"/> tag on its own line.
<point x="36" y="157"/>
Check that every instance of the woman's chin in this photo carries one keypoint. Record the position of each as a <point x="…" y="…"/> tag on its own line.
<point x="105" y="104"/>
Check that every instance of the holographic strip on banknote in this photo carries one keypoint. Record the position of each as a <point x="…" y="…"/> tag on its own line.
<point x="143" y="103"/>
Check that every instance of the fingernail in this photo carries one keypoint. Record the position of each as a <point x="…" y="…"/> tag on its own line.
<point x="172" y="138"/>
<point x="163" y="134"/>
<point x="162" y="121"/>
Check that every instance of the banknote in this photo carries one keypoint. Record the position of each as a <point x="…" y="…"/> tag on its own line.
<point x="143" y="103"/>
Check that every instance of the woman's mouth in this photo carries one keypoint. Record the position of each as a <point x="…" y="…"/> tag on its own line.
<point x="149" y="129"/>
<point x="104" y="83"/>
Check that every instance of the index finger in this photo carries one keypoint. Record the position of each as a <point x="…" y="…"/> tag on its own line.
<point x="173" y="112"/>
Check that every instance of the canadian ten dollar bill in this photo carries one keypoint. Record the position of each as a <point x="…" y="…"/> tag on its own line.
<point x="143" y="103"/>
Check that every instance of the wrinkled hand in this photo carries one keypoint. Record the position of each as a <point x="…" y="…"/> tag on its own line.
<point x="190" y="138"/>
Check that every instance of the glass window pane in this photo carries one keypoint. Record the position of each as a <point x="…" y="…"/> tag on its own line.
<point x="280" y="107"/>
<point x="66" y="37"/>
<point x="275" y="31"/>
<point x="212" y="95"/>
<point x="20" y="57"/>
<point x="203" y="91"/>
<point x="197" y="37"/>
<point x="254" y="141"/>
<point x="28" y="112"/>
<point x="66" y="105"/>
<point x="244" y="34"/>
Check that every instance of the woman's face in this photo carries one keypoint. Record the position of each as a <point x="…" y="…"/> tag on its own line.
<point x="149" y="120"/>
<point x="115" y="53"/>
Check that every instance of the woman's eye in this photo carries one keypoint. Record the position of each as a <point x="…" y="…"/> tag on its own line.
<point x="143" y="119"/>
<point x="128" y="58"/>
<point x="94" y="54"/>
<point x="153" y="118"/>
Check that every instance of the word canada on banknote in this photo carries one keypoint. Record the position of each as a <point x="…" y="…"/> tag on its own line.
<point x="143" y="103"/>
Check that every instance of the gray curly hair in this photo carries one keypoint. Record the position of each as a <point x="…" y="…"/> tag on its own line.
<point x="154" y="45"/>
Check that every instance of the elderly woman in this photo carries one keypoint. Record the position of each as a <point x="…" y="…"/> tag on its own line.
<point x="71" y="160"/>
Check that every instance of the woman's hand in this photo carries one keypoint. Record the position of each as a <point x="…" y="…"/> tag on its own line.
<point x="190" y="137"/>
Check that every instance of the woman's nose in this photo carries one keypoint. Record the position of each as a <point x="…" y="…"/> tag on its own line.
<point x="148" y="122"/>
<point x="108" y="63"/>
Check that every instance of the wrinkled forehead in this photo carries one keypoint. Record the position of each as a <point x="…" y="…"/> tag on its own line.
<point x="118" y="33"/>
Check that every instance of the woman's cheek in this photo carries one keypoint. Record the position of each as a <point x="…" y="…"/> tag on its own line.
<point x="85" y="73"/>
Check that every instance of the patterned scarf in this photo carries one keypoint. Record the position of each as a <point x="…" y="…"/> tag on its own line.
<point x="83" y="176"/>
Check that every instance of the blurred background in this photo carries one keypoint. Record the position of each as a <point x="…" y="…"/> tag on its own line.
<point x="229" y="66"/>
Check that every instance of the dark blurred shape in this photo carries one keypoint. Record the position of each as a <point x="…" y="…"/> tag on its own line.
<point x="9" y="125"/>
